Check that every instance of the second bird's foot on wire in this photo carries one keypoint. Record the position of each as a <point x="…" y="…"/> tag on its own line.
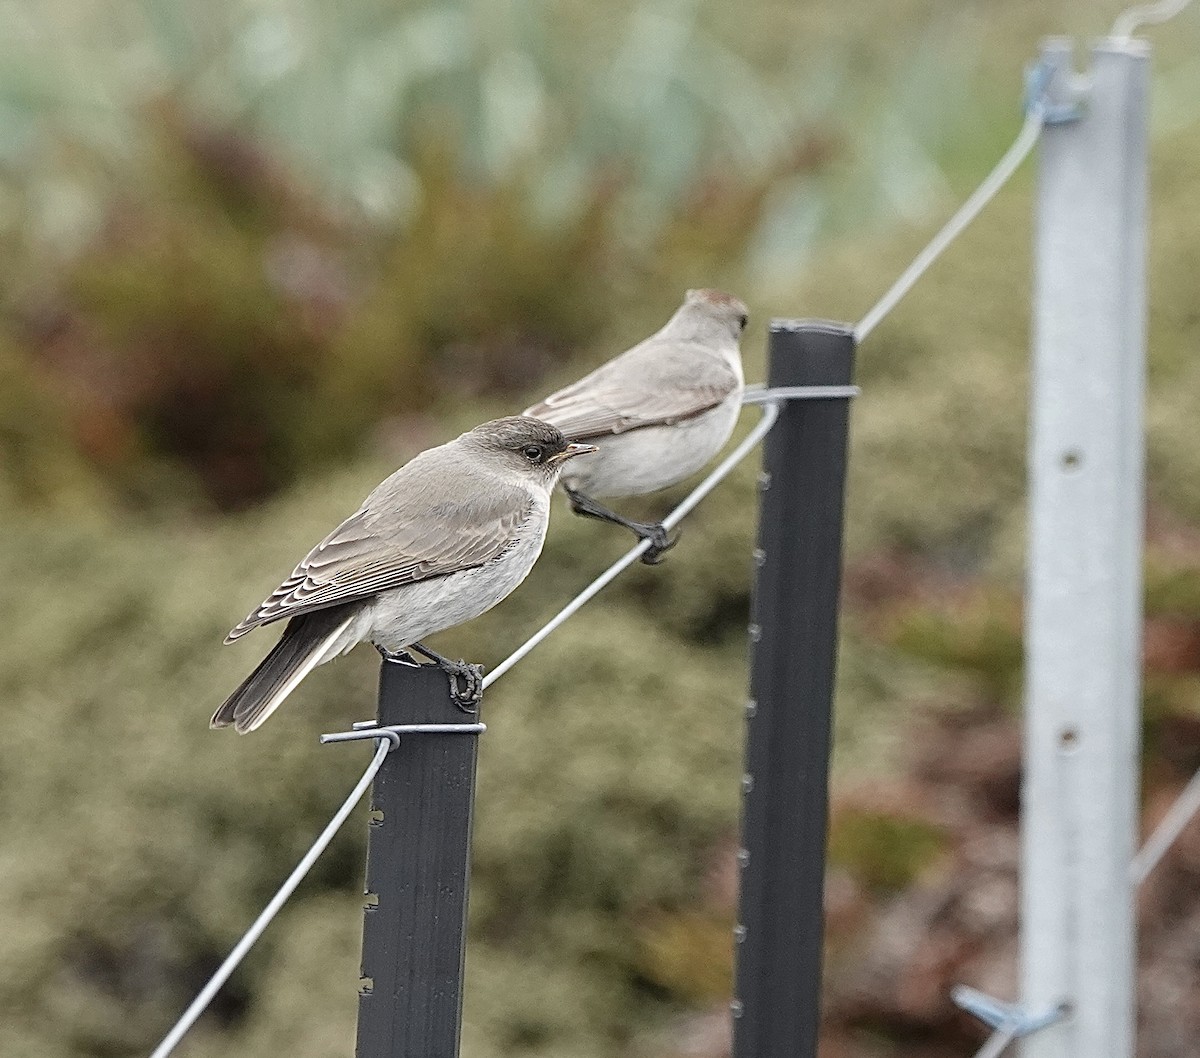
<point x="660" y="540"/>
<point x="655" y="532"/>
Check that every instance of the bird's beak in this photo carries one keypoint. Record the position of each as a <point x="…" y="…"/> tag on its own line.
<point x="575" y="448"/>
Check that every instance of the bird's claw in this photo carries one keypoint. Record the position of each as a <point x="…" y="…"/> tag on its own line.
<point x="466" y="680"/>
<point x="660" y="542"/>
<point x="466" y="684"/>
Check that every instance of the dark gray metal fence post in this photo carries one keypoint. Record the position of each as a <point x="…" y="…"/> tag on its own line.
<point x="794" y="642"/>
<point x="418" y="856"/>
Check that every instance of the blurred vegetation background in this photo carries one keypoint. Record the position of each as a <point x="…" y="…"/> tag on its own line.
<point x="256" y="253"/>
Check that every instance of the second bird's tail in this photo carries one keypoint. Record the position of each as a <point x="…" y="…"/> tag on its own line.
<point x="304" y="645"/>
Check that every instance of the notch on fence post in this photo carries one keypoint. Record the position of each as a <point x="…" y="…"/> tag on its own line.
<point x="793" y="633"/>
<point x="418" y="858"/>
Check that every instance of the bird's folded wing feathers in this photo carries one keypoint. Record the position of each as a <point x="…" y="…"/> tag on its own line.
<point x="356" y="561"/>
<point x="642" y="387"/>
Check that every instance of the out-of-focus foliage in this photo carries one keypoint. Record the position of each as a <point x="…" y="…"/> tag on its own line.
<point x="244" y="232"/>
<point x="257" y="253"/>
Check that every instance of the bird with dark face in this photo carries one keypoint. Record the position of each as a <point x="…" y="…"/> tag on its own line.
<point x="657" y="413"/>
<point x="438" y="543"/>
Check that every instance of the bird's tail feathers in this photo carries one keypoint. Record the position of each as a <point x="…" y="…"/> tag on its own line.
<point x="304" y="645"/>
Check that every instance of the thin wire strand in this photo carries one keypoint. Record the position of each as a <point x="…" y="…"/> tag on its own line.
<point x="189" y="1016"/>
<point x="997" y="1043"/>
<point x="1132" y="19"/>
<point x="957" y="224"/>
<point x="761" y="428"/>
<point x="1186" y="805"/>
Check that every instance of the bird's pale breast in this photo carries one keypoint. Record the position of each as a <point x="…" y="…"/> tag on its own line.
<point x="654" y="457"/>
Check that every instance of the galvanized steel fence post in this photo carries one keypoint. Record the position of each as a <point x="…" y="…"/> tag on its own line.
<point x="798" y="561"/>
<point x="1083" y="616"/>
<point x="418" y="858"/>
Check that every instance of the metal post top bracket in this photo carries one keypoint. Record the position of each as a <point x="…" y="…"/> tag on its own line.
<point x="811" y="326"/>
<point x="367" y="729"/>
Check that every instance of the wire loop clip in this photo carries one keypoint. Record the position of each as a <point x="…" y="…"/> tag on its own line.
<point x="366" y="729"/>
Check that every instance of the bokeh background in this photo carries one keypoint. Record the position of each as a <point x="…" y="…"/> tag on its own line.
<point x="256" y="253"/>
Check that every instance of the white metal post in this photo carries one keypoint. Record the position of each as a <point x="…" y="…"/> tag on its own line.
<point x="1083" y="618"/>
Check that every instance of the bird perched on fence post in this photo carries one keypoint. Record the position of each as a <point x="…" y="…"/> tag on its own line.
<point x="657" y="413"/>
<point x="441" y="541"/>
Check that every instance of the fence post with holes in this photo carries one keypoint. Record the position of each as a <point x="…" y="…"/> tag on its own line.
<point x="418" y="858"/>
<point x="776" y="1009"/>
<point x="1083" y="601"/>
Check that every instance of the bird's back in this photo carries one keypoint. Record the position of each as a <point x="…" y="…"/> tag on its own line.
<point x="659" y="381"/>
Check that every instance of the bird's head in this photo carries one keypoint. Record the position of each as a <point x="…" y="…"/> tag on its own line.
<point x="712" y="313"/>
<point x="527" y="445"/>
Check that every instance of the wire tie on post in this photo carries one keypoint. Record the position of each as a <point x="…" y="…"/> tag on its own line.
<point x="369" y="729"/>
<point x="1010" y="1018"/>
<point x="762" y="395"/>
<point x="1037" y="91"/>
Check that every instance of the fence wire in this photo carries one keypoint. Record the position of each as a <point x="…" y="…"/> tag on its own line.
<point x="996" y="1043"/>
<point x="1009" y="163"/>
<point x="1130" y="21"/>
<point x="1178" y="816"/>
<point x="243" y="946"/>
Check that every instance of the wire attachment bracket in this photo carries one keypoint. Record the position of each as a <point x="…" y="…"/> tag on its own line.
<point x="1010" y="1021"/>
<point x="1072" y="93"/>
<point x="768" y="395"/>
<point x="366" y="729"/>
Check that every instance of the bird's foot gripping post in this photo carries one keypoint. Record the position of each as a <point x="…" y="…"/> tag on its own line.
<point x="793" y="638"/>
<point x="466" y="679"/>
<point x="418" y="860"/>
<point x="660" y="539"/>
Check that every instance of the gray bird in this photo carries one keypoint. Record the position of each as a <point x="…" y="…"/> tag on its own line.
<point x="657" y="413"/>
<point x="439" y="542"/>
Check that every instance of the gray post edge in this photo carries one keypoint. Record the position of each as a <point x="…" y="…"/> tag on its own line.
<point x="418" y="859"/>
<point x="793" y="634"/>
<point x="1083" y="601"/>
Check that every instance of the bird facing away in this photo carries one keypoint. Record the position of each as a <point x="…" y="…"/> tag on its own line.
<point x="657" y="413"/>
<point x="441" y="541"/>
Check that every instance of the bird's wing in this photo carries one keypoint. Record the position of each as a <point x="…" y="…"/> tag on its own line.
<point x="402" y="534"/>
<point x="653" y="384"/>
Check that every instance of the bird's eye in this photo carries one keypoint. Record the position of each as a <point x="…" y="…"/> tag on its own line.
<point x="533" y="453"/>
<point x="743" y="319"/>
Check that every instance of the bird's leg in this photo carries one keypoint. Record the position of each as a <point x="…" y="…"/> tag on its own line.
<point x="397" y="657"/>
<point x="655" y="532"/>
<point x="466" y="680"/>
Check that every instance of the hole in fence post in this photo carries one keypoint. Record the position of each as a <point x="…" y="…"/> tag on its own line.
<point x="1068" y="739"/>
